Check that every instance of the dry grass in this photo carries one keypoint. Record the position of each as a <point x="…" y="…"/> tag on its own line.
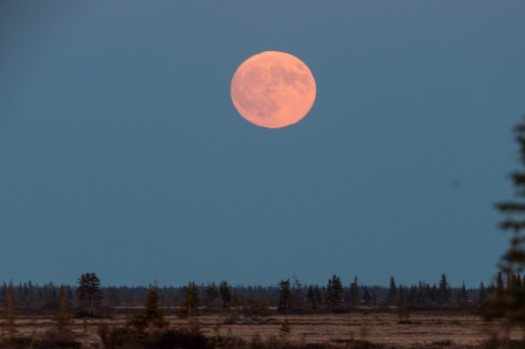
<point x="422" y="330"/>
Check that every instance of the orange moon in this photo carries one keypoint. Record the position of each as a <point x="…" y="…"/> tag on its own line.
<point x="273" y="89"/>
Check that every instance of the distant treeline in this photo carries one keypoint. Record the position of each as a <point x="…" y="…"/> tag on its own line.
<point x="290" y="296"/>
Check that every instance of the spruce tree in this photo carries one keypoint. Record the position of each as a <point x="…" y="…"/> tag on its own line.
<point x="367" y="298"/>
<point x="334" y="293"/>
<point x="318" y="295"/>
<point x="192" y="301"/>
<point x="509" y="302"/>
<point x="284" y="295"/>
<point x="89" y="295"/>
<point x="63" y="315"/>
<point x="212" y="295"/>
<point x="393" y="296"/>
<point x="443" y="290"/>
<point x="10" y="309"/>
<point x="513" y="261"/>
<point x="153" y="314"/>
<point x="500" y="287"/>
<point x="225" y="295"/>
<point x="353" y="293"/>
<point x="463" y="294"/>
<point x="482" y="293"/>
<point x="311" y="297"/>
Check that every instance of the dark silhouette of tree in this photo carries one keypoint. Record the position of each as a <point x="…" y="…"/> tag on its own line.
<point x="310" y="297"/>
<point x="10" y="309"/>
<point x="151" y="317"/>
<point x="367" y="297"/>
<point x="443" y="290"/>
<point x="393" y="296"/>
<point x="296" y="294"/>
<point x="509" y="303"/>
<point x="153" y="314"/>
<point x="313" y="296"/>
<point x="284" y="295"/>
<point x="63" y="315"/>
<point x="500" y="287"/>
<point x="482" y="296"/>
<point x="192" y="300"/>
<point x="401" y="294"/>
<point x="226" y="295"/>
<point x="462" y="294"/>
<point x="212" y="296"/>
<point x="89" y="295"/>
<point x="513" y="261"/>
<point x="334" y="293"/>
<point x="318" y="295"/>
<point x="353" y="293"/>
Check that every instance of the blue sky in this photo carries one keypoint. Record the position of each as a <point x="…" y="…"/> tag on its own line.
<point x="121" y="152"/>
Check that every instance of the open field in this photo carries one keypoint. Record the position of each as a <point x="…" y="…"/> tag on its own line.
<point x="423" y="330"/>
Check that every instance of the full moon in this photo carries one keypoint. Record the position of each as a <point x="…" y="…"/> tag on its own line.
<point x="273" y="89"/>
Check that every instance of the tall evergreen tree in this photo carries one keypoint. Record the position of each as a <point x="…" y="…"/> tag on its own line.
<point x="284" y="295"/>
<point x="318" y="295"/>
<point x="212" y="295"/>
<point x="63" y="315"/>
<point x="153" y="314"/>
<point x="226" y="295"/>
<point x="463" y="294"/>
<point x="367" y="297"/>
<point x="334" y="293"/>
<point x="513" y="261"/>
<point x="443" y="290"/>
<point x="311" y="297"/>
<point x="10" y="309"/>
<point x="508" y="303"/>
<point x="89" y="295"/>
<point x="192" y="300"/>
<point x="482" y="293"/>
<point x="296" y="293"/>
<point x="393" y="296"/>
<point x="353" y="294"/>
<point x="500" y="287"/>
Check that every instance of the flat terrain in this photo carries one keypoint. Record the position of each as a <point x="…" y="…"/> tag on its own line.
<point x="437" y="329"/>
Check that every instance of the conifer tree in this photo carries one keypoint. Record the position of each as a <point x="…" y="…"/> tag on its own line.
<point x="463" y="294"/>
<point x="296" y="293"/>
<point x="392" y="292"/>
<point x="353" y="293"/>
<point x="482" y="293"/>
<point x="63" y="315"/>
<point x="89" y="295"/>
<point x="508" y="304"/>
<point x="367" y="298"/>
<point x="153" y="314"/>
<point x="401" y="294"/>
<point x="10" y="309"/>
<point x="334" y="293"/>
<point x="513" y="261"/>
<point x="284" y="295"/>
<point x="311" y="298"/>
<point x="318" y="295"/>
<point x="192" y="300"/>
<point x="212" y="295"/>
<point x="443" y="290"/>
<point x="500" y="287"/>
<point x="226" y="295"/>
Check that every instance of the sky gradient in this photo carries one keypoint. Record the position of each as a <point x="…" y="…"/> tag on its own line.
<point x="121" y="152"/>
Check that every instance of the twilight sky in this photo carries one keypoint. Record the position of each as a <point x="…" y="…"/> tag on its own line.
<point x="121" y="152"/>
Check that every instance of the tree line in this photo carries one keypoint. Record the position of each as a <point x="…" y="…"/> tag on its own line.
<point x="89" y="298"/>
